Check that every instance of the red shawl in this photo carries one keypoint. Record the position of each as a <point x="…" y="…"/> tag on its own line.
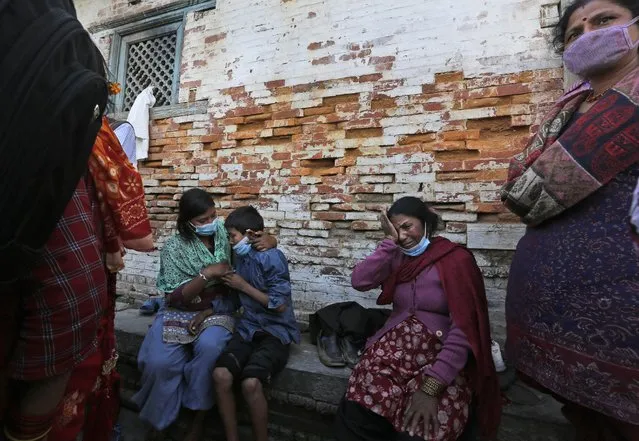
<point x="121" y="196"/>
<point x="463" y="284"/>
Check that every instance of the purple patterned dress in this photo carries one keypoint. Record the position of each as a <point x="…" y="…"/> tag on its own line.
<point x="573" y="303"/>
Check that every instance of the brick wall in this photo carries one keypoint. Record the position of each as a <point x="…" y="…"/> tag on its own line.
<point x="321" y="113"/>
<point x="91" y="12"/>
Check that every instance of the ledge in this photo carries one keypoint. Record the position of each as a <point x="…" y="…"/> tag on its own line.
<point x="158" y="15"/>
<point x="304" y="397"/>
<point x="172" y="111"/>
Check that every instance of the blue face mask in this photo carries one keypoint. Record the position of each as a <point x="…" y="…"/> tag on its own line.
<point x="243" y="247"/>
<point x="418" y="249"/>
<point x="206" y="230"/>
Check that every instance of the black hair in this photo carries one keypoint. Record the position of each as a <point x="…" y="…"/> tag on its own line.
<point x="559" y="32"/>
<point x="245" y="218"/>
<point x="194" y="203"/>
<point x="415" y="207"/>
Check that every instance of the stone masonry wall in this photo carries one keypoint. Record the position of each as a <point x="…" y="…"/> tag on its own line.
<point x="321" y="113"/>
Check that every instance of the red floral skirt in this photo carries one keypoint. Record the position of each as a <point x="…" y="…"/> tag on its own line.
<point x="391" y="371"/>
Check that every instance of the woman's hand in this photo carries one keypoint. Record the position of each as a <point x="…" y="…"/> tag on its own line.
<point x="197" y="321"/>
<point x="389" y="230"/>
<point x="216" y="270"/>
<point x="422" y="407"/>
<point x="260" y="240"/>
<point x="234" y="281"/>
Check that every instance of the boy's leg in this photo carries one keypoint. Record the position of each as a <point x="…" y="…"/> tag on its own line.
<point x="258" y="407"/>
<point x="269" y="358"/>
<point x="228" y="367"/>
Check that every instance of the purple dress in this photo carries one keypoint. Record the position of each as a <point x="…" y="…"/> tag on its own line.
<point x="572" y="307"/>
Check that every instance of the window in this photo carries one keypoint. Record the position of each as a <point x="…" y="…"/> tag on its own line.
<point x="149" y="58"/>
<point x="146" y="51"/>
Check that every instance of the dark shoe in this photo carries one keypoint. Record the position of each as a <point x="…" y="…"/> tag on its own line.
<point x="350" y="351"/>
<point x="329" y="351"/>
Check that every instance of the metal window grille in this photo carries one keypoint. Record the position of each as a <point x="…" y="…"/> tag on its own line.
<point x="151" y="62"/>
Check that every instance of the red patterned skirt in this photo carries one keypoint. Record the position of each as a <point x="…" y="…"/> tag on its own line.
<point x="91" y="402"/>
<point x="391" y="371"/>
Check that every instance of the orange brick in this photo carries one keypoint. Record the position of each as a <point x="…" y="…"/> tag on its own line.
<point x="282" y="131"/>
<point x="334" y="100"/>
<point x="285" y="114"/>
<point x="318" y="110"/>
<point x="248" y="134"/>
<point x="449" y="77"/>
<point x="328" y="171"/>
<point x="329" y="216"/>
<point x="260" y="117"/>
<point x="364" y="133"/>
<point x="365" y="226"/>
<point x="414" y="139"/>
<point x="461" y="135"/>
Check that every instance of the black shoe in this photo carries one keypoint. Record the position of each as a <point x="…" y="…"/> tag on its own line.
<point x="350" y="351"/>
<point x="329" y="351"/>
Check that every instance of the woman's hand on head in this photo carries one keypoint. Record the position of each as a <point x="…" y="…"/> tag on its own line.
<point x="260" y="240"/>
<point x="422" y="409"/>
<point x="387" y="227"/>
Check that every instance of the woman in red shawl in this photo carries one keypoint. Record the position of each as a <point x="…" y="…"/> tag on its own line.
<point x="91" y="403"/>
<point x="58" y="323"/>
<point x="431" y="363"/>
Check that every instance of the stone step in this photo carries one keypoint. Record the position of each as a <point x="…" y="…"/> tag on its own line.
<point x="304" y="397"/>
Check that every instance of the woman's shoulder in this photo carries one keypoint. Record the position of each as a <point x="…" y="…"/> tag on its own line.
<point x="177" y="241"/>
<point x="454" y="252"/>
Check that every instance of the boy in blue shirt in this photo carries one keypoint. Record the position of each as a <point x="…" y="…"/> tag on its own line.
<point x="260" y="346"/>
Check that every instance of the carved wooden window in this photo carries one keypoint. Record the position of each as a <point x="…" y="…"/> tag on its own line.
<point x="151" y="62"/>
<point x="149" y="58"/>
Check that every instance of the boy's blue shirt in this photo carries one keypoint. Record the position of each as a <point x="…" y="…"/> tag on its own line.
<point x="268" y="272"/>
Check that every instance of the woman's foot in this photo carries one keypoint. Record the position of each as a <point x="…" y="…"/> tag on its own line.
<point x="197" y="427"/>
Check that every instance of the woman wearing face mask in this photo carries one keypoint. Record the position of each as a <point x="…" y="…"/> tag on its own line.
<point x="179" y="352"/>
<point x="420" y="374"/>
<point x="573" y="291"/>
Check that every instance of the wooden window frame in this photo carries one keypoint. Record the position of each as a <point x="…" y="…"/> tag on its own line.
<point x="140" y="27"/>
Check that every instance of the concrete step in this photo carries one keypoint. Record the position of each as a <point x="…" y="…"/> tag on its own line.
<point x="304" y="397"/>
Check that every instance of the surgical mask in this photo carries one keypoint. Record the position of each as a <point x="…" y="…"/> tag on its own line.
<point x="206" y="230"/>
<point x="595" y="51"/>
<point x="418" y="249"/>
<point x="243" y="247"/>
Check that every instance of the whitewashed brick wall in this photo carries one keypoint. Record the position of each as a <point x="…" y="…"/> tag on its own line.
<point x="424" y="97"/>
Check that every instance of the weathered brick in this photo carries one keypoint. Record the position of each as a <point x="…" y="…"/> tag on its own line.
<point x="350" y="127"/>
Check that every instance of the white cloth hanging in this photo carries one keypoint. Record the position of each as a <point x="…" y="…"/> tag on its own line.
<point x="126" y="136"/>
<point x="139" y="118"/>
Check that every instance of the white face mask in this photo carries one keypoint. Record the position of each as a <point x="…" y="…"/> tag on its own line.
<point x="418" y="249"/>
<point x="207" y="229"/>
<point x="243" y="247"/>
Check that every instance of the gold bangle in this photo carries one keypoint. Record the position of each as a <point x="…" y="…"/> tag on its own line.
<point x="37" y="438"/>
<point x="432" y="387"/>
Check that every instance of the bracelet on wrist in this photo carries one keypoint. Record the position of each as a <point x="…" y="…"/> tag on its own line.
<point x="432" y="387"/>
<point x="203" y="277"/>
